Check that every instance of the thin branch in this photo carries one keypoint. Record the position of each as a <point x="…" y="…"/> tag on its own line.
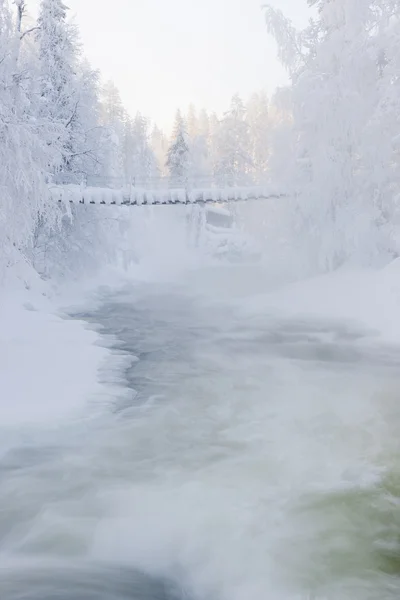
<point x="73" y="115"/>
<point x="74" y="154"/>
<point x="93" y="128"/>
<point x="27" y="32"/>
<point x="89" y="153"/>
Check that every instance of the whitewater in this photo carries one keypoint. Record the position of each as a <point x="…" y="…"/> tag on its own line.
<point x="245" y="446"/>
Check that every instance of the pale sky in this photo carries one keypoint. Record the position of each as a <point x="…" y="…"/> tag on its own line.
<point x="164" y="54"/>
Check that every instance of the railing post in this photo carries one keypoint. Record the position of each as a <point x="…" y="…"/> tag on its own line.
<point x="81" y="190"/>
<point x="187" y="192"/>
<point x="131" y="188"/>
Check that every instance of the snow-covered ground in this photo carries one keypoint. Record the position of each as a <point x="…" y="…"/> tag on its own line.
<point x="48" y="366"/>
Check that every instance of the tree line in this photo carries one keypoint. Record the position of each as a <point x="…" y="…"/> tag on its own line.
<point x="59" y="123"/>
<point x="330" y="139"/>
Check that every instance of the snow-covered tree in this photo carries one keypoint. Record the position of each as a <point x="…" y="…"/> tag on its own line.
<point x="199" y="169"/>
<point x="281" y="140"/>
<point x="24" y="152"/>
<point x="140" y="161"/>
<point x="178" y="155"/>
<point x="199" y="161"/>
<point x="88" y="152"/>
<point x="233" y="161"/>
<point x="113" y="118"/>
<point x="52" y="120"/>
<point x="378" y="171"/>
<point x="338" y="66"/>
<point x="58" y="58"/>
<point x="204" y="124"/>
<point x="192" y="122"/>
<point x="258" y="121"/>
<point x="159" y="145"/>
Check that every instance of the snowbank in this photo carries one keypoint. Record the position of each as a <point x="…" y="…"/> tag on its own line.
<point x="49" y="366"/>
<point x="369" y="297"/>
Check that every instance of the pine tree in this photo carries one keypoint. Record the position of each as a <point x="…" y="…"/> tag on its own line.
<point x="192" y="122"/>
<point x="140" y="161"/>
<point x="198" y="142"/>
<point x="159" y="146"/>
<point x="178" y="155"/>
<point x="204" y="124"/>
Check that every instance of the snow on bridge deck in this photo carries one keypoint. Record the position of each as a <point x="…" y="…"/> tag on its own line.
<point x="132" y="196"/>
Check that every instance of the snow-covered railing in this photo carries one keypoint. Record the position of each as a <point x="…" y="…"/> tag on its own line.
<point x="133" y="196"/>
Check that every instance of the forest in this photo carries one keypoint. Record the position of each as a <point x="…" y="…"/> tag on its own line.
<point x="330" y="140"/>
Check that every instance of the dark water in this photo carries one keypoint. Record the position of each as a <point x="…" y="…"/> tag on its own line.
<point x="89" y="582"/>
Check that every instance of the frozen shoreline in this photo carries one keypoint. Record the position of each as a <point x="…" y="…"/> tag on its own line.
<point x="51" y="366"/>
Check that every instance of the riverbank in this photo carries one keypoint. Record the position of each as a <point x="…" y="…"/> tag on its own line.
<point x="49" y="365"/>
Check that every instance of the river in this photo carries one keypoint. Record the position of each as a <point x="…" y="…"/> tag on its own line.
<point x="247" y="457"/>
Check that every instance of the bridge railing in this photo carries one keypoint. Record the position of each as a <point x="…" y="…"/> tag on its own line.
<point x="133" y="196"/>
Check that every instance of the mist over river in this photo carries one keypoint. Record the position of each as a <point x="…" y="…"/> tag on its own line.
<point x="252" y="456"/>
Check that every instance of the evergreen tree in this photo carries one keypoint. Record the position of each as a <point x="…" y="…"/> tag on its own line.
<point x="204" y="124"/>
<point x="140" y="161"/>
<point x="192" y="122"/>
<point x="199" y="160"/>
<point x="233" y="161"/>
<point x="159" y="145"/>
<point x="178" y="155"/>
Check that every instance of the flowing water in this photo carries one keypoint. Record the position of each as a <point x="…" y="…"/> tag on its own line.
<point x="251" y="457"/>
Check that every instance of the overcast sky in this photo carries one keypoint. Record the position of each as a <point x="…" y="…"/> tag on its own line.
<point x="164" y="54"/>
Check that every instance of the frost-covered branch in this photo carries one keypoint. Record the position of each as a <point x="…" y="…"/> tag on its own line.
<point x="289" y="40"/>
<point x="73" y="115"/>
<point x="28" y="32"/>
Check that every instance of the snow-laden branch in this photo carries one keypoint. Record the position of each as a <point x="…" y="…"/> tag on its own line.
<point x="73" y="115"/>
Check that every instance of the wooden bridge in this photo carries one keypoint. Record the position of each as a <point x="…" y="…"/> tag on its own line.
<point x="133" y="196"/>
